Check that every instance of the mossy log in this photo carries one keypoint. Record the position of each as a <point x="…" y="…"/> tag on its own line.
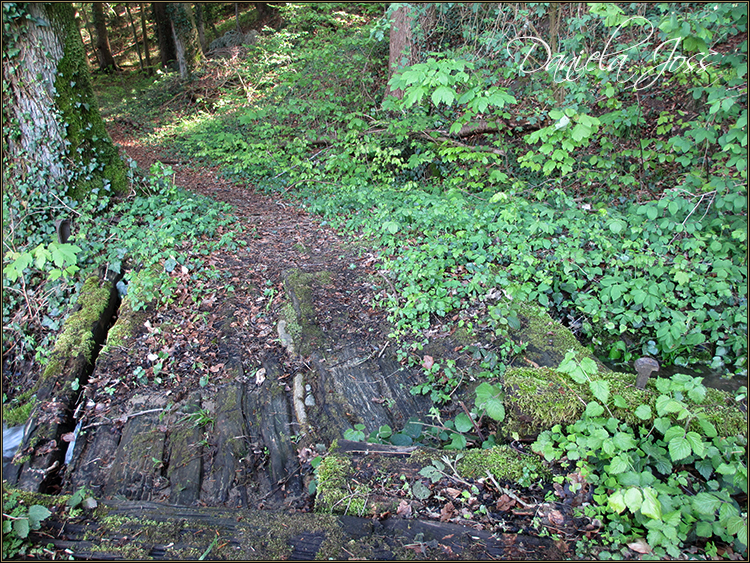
<point x="42" y="450"/>
<point x="147" y="530"/>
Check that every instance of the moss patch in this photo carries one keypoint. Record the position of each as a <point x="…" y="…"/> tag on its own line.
<point x="300" y="313"/>
<point x="127" y="325"/>
<point x="19" y="414"/>
<point x="538" y="398"/>
<point x="504" y="463"/>
<point x="336" y="491"/>
<point x="548" y="341"/>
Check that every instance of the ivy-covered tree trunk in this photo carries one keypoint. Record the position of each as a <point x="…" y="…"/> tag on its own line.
<point x="103" y="50"/>
<point x="186" y="41"/>
<point x="54" y="139"/>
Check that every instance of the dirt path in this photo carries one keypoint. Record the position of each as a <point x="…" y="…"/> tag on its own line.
<point x="279" y="237"/>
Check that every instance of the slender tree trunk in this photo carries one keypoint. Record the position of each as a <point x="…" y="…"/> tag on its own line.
<point x="200" y="24"/>
<point x="237" y="15"/>
<point x="55" y="137"/>
<point x="167" y="50"/>
<point x="401" y="39"/>
<point x="135" y="36"/>
<point x="187" y="44"/>
<point x="144" y="31"/>
<point x="103" y="50"/>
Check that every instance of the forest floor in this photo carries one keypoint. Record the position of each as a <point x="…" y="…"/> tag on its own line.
<point x="280" y="237"/>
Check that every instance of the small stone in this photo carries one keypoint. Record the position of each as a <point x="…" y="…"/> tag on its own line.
<point x="309" y="401"/>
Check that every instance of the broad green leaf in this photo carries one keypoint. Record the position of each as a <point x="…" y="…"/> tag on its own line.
<point x="594" y="409"/>
<point x="616" y="501"/>
<point x="708" y="428"/>
<point x="706" y="503"/>
<point x="643" y="412"/>
<point x="401" y="439"/>
<point x="624" y="441"/>
<point x="679" y="448"/>
<point x="633" y="499"/>
<point x="458" y="442"/>
<point x="619" y="464"/>
<point x="21" y="527"/>
<point x="443" y="94"/>
<point x="696" y="443"/>
<point x="600" y="390"/>
<point x="420" y="491"/>
<point x="495" y="409"/>
<point x="37" y="513"/>
<point x="651" y="506"/>
<point x="463" y="423"/>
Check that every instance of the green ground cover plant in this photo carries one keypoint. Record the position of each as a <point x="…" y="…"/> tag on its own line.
<point x="664" y="276"/>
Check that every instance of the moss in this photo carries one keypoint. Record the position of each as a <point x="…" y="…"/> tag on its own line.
<point x="19" y="414"/>
<point x="537" y="399"/>
<point x="503" y="463"/>
<point x="300" y="314"/>
<point x="544" y="334"/>
<point x="127" y="325"/>
<point x="87" y="139"/>
<point x="335" y="491"/>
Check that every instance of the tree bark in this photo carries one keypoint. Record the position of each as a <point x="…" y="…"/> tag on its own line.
<point x="103" y="50"/>
<point x="167" y="51"/>
<point x="55" y="137"/>
<point x="185" y="34"/>
<point x="144" y="31"/>
<point x="401" y="39"/>
<point x="200" y="22"/>
<point x="135" y="36"/>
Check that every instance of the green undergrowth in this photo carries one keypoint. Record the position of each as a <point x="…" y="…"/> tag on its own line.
<point x="664" y="276"/>
<point x="155" y="240"/>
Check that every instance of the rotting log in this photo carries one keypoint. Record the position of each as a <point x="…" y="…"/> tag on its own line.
<point x="146" y="530"/>
<point x="37" y="464"/>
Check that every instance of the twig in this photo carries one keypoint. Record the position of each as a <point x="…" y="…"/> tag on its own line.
<point x="479" y="432"/>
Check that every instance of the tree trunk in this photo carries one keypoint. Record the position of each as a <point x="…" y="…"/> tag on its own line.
<point x="187" y="44"/>
<point x="103" y="50"/>
<point x="237" y="15"/>
<point x="55" y="137"/>
<point x="135" y="37"/>
<point x="200" y="22"/>
<point x="401" y="38"/>
<point x="144" y="30"/>
<point x="167" y="51"/>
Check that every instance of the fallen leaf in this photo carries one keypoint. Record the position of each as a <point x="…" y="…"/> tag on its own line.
<point x="404" y="509"/>
<point x="152" y="357"/>
<point x="504" y="503"/>
<point x="640" y="546"/>
<point x="452" y="492"/>
<point x="447" y="512"/>
<point x="260" y="376"/>
<point x="427" y="362"/>
<point x="216" y="369"/>
<point x="69" y="437"/>
<point x="556" y="517"/>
